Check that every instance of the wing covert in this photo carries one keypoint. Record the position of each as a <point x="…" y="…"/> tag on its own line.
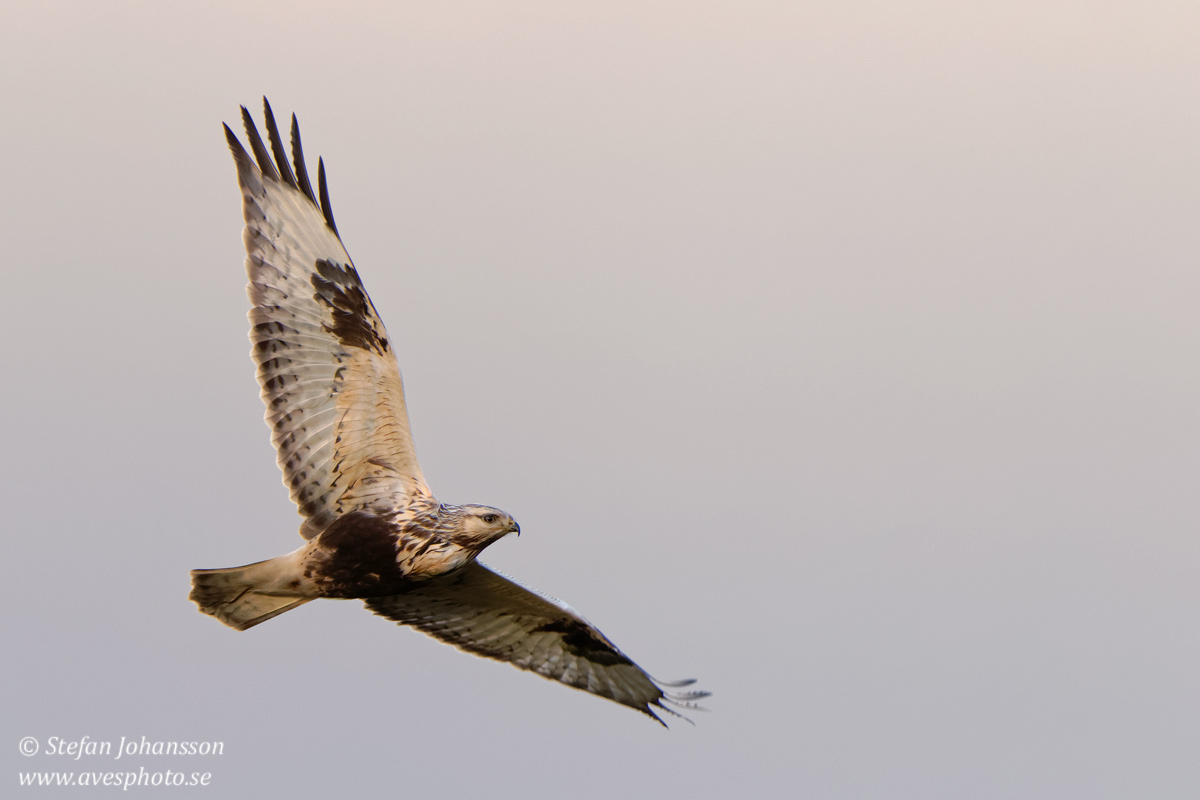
<point x="330" y="382"/>
<point x="485" y="613"/>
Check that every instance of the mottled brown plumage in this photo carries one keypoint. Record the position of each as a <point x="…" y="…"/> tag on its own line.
<point x="335" y="406"/>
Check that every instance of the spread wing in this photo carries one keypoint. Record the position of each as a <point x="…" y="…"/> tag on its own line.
<point x="484" y="613"/>
<point x="334" y="397"/>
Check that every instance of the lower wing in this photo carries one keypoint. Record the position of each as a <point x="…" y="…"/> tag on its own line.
<point x="482" y="612"/>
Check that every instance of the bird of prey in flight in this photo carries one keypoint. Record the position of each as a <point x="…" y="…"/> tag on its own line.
<point x="372" y="528"/>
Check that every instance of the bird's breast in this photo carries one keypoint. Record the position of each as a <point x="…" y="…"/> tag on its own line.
<point x="364" y="555"/>
<point x="433" y="558"/>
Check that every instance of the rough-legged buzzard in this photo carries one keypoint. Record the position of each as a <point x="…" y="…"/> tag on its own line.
<point x="373" y="530"/>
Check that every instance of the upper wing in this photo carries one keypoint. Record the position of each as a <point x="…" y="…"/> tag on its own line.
<point x="484" y="613"/>
<point x="335" y="401"/>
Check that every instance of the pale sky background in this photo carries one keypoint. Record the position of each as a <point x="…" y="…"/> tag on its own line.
<point x="841" y="355"/>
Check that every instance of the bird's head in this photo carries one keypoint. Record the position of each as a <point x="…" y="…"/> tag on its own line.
<point x="479" y="526"/>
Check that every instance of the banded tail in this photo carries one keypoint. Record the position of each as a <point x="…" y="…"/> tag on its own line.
<point x="242" y="597"/>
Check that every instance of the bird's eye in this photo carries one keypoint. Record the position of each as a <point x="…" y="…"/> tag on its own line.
<point x="490" y="518"/>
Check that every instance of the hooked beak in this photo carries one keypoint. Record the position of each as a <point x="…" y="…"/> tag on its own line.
<point x="516" y="529"/>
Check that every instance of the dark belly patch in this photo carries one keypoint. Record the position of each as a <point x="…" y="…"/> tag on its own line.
<point x="356" y="557"/>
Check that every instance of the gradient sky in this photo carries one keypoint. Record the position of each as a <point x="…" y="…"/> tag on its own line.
<point x="841" y="355"/>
